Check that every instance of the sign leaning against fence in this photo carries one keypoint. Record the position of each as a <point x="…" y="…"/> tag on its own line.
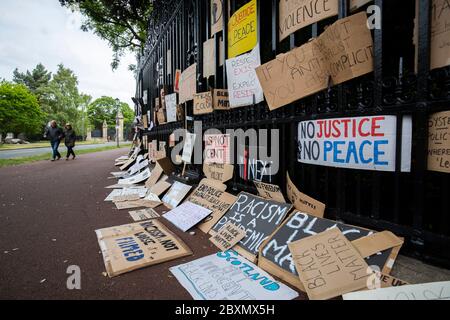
<point x="243" y="30"/>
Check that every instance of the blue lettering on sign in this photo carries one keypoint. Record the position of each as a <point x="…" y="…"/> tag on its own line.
<point x="232" y="257"/>
<point x="327" y="147"/>
<point x="361" y="152"/>
<point x="352" y="152"/>
<point x="378" y="153"/>
<point x="130" y="249"/>
<point x="337" y="152"/>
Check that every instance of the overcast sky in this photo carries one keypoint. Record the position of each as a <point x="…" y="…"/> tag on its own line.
<point x="41" y="31"/>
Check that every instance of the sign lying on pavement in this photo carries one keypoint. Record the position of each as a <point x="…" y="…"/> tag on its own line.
<point x="424" y="291"/>
<point x="140" y="177"/>
<point x="228" y="236"/>
<point x="176" y="194"/>
<point x="276" y="258"/>
<point x="328" y="265"/>
<point x="144" y="214"/>
<point x="187" y="215"/>
<point x="228" y="276"/>
<point x="134" y="246"/>
<point x="303" y="202"/>
<point x="269" y="191"/>
<point x="258" y="216"/>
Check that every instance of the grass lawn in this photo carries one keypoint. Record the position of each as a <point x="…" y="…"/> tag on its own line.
<point x="47" y="156"/>
<point x="40" y="144"/>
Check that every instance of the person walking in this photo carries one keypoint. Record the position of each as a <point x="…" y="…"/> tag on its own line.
<point x="54" y="134"/>
<point x="69" y="141"/>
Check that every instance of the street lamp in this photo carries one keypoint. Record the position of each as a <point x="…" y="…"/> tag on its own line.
<point x="117" y="122"/>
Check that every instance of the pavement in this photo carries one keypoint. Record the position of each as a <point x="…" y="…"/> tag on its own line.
<point x="19" y="153"/>
<point x="48" y="214"/>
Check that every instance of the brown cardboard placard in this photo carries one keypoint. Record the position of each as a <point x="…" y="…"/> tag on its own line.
<point x="328" y="265"/>
<point x="269" y="191"/>
<point x="154" y="176"/>
<point x="387" y="281"/>
<point x="188" y="83"/>
<point x="439" y="142"/>
<point x="203" y="103"/>
<point x="377" y="242"/>
<point x="161" y="114"/>
<point x="220" y="99"/>
<point x="213" y="197"/>
<point x="209" y="58"/>
<point x="302" y="202"/>
<point x="228" y="236"/>
<point x="295" y="14"/>
<point x="136" y="204"/>
<point x="218" y="171"/>
<point x="216" y="16"/>
<point x="440" y="34"/>
<point x="129" y="197"/>
<point x="144" y="214"/>
<point x="160" y="187"/>
<point x="176" y="82"/>
<point x="166" y="165"/>
<point x="129" y="247"/>
<point x="343" y="51"/>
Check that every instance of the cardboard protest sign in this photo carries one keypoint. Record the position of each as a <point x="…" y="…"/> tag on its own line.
<point x="203" y="103"/>
<point x="243" y="85"/>
<point x="365" y="143"/>
<point x="424" y="291"/>
<point x="166" y="165"/>
<point x="217" y="148"/>
<point x="228" y="236"/>
<point x="142" y="176"/>
<point x="439" y="142"/>
<point x="141" y="191"/>
<point x="218" y="201"/>
<point x="243" y="29"/>
<point x="328" y="265"/>
<point x="296" y="14"/>
<point x="269" y="191"/>
<point x="152" y="197"/>
<point x="216" y="16"/>
<point x="157" y="104"/>
<point x="160" y="187"/>
<point x="144" y="214"/>
<point x="440" y="34"/>
<point x="355" y="4"/>
<point x="209" y="58"/>
<point x="130" y="197"/>
<point x="154" y="176"/>
<point x="188" y="83"/>
<point x="218" y="171"/>
<point x="343" y="51"/>
<point x="187" y="215"/>
<point x="258" y="216"/>
<point x="176" y="82"/>
<point x="220" y="99"/>
<point x="130" y="161"/>
<point x="129" y="247"/>
<point x="176" y="194"/>
<point x="302" y="202"/>
<point x="244" y="280"/>
<point x="142" y="203"/>
<point x="161" y="115"/>
<point x="138" y="166"/>
<point x="188" y="147"/>
<point x="171" y="107"/>
<point x="275" y="256"/>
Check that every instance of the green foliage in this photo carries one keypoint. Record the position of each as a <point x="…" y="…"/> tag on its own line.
<point x="123" y="23"/>
<point x="105" y="108"/>
<point x="19" y="110"/>
<point x="35" y="80"/>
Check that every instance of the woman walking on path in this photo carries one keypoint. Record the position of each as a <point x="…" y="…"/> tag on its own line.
<point x="69" y="140"/>
<point x="55" y="134"/>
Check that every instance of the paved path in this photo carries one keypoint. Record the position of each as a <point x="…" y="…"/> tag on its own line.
<point x="11" y="154"/>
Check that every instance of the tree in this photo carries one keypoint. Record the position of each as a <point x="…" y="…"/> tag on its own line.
<point x="19" y="110"/>
<point x="105" y="108"/>
<point x="123" y="23"/>
<point x="61" y="99"/>
<point x="35" y="80"/>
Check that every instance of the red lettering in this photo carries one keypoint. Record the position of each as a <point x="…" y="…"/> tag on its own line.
<point x="375" y="127"/>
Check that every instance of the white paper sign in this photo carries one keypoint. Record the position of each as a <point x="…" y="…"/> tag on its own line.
<point x="144" y="175"/>
<point x="366" y="143"/>
<point x="176" y="194"/>
<point x="141" y="192"/>
<point x="137" y="167"/>
<point x="188" y="147"/>
<point x="425" y="291"/>
<point x="243" y="83"/>
<point x="171" y="107"/>
<point x="228" y="276"/>
<point x="187" y="215"/>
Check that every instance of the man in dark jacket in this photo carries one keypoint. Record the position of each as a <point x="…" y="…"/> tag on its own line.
<point x="54" y="134"/>
<point x="69" y="140"/>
